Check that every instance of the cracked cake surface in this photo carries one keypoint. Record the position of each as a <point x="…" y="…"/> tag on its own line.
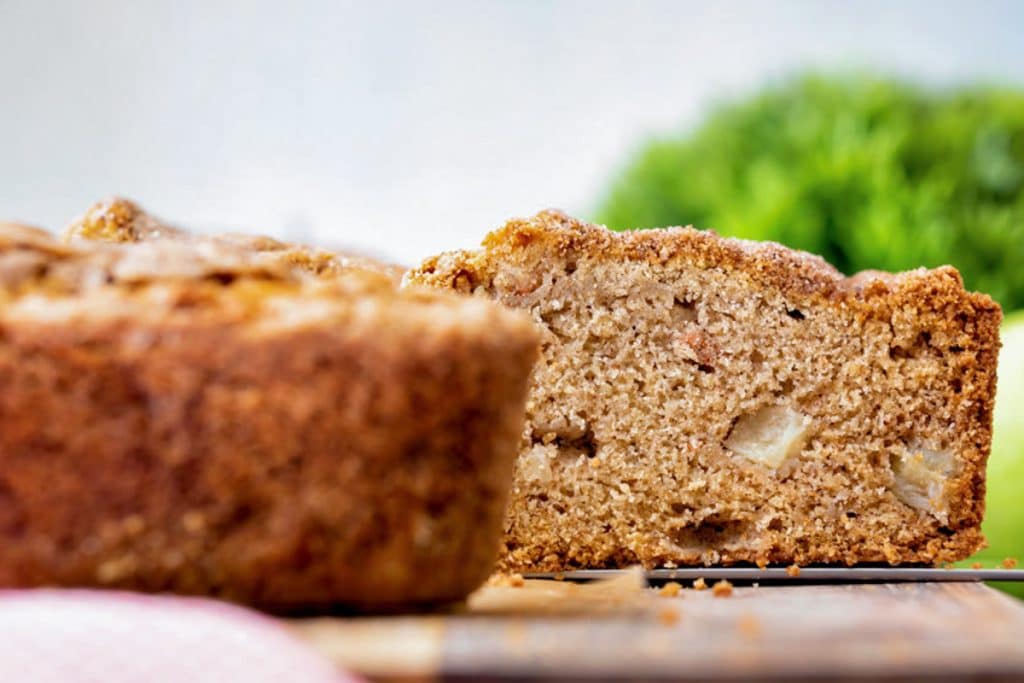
<point x="198" y="416"/>
<point x="702" y="400"/>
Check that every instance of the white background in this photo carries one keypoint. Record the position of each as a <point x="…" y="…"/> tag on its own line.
<point x="409" y="128"/>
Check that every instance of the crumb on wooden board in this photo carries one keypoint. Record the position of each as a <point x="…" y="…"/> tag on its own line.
<point x="670" y="590"/>
<point x="722" y="589"/>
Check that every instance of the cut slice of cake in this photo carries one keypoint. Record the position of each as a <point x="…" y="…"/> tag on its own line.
<point x="703" y="400"/>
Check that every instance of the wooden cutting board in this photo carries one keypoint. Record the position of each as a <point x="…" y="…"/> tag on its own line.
<point x="621" y="630"/>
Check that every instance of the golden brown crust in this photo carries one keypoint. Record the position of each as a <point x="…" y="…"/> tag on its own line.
<point x="118" y="220"/>
<point x="251" y="433"/>
<point x="804" y="276"/>
<point x="963" y="328"/>
<point x="122" y="221"/>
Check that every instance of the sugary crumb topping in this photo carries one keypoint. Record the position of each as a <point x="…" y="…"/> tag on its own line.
<point x="121" y="221"/>
<point x="44" y="278"/>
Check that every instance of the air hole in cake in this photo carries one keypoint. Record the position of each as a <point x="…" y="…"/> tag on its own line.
<point x="898" y="353"/>
<point x="463" y="281"/>
<point x="684" y="311"/>
<point x="575" y="446"/>
<point x="437" y="508"/>
<point x="711" y="532"/>
<point x="681" y="508"/>
<point x="921" y="345"/>
<point x="795" y="314"/>
<point x="222" y="278"/>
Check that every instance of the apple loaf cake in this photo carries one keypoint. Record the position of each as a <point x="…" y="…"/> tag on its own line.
<point x="702" y="400"/>
<point x="189" y="417"/>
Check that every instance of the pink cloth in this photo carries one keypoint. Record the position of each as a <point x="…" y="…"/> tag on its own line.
<point x="58" y="636"/>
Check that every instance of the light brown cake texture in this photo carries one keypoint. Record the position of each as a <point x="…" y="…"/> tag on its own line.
<point x="712" y="401"/>
<point x="204" y="421"/>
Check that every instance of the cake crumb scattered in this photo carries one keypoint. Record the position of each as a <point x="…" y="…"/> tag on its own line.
<point x="793" y="570"/>
<point x="670" y="589"/>
<point x="976" y="565"/>
<point x="762" y="563"/>
<point x="1010" y="563"/>
<point x="502" y="580"/>
<point x="722" y="589"/>
<point x="699" y="584"/>
<point x="668" y="616"/>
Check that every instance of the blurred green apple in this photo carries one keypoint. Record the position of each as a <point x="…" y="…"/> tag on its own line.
<point x="1004" y="504"/>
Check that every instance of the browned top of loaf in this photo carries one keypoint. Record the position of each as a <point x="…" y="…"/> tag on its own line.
<point x="177" y="281"/>
<point x="33" y="261"/>
<point x="804" y="277"/>
<point x="120" y="220"/>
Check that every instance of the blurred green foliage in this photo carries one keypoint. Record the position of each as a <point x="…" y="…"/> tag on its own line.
<point x="867" y="172"/>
